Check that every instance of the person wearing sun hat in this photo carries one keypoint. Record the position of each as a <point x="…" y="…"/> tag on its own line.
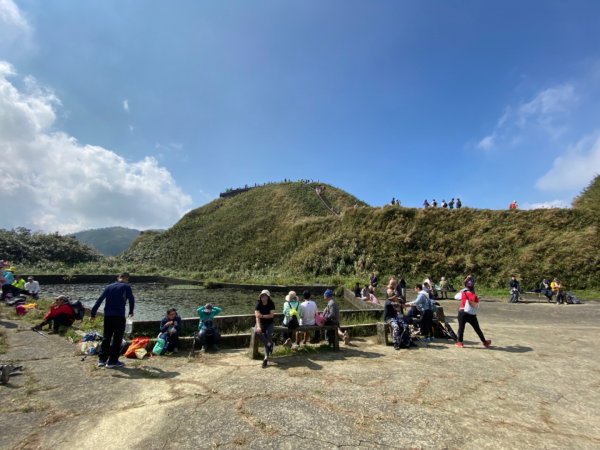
<point x="291" y="309"/>
<point x="264" y="313"/>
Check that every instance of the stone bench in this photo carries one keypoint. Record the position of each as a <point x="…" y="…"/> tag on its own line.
<point x="255" y="342"/>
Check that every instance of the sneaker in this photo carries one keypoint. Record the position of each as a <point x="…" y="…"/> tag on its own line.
<point x="459" y="345"/>
<point x="264" y="363"/>
<point x="346" y="338"/>
<point x="487" y="344"/>
<point x="115" y="365"/>
<point x="101" y="363"/>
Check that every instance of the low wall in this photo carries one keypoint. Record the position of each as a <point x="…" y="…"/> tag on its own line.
<point x="105" y="279"/>
<point x="298" y="288"/>
<point x="243" y="323"/>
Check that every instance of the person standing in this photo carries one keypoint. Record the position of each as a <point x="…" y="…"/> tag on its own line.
<point x="308" y="316"/>
<point x="116" y="295"/>
<point x="451" y="204"/>
<point x="515" y="288"/>
<point x="331" y="314"/>
<point x="444" y="286"/>
<point x="467" y="313"/>
<point x="264" y="313"/>
<point x="458" y="203"/>
<point x="33" y="287"/>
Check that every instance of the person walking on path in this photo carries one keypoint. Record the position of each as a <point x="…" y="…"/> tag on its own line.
<point x="264" y="313"/>
<point x="467" y="313"/>
<point x="116" y="295"/>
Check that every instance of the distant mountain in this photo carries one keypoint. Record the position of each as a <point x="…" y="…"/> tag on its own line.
<point x="110" y="241"/>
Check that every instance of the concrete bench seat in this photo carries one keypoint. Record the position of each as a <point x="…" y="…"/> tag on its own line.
<point x="255" y="341"/>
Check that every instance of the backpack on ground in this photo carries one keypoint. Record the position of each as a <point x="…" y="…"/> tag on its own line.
<point x="405" y="339"/>
<point x="572" y="300"/>
<point x="136" y="343"/>
<point x="78" y="309"/>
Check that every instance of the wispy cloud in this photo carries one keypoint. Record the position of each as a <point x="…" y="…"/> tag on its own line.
<point x="546" y="205"/>
<point x="14" y="27"/>
<point x="126" y="105"/>
<point x="575" y="168"/>
<point x="544" y="111"/>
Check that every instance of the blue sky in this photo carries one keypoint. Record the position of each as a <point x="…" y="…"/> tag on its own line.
<point x="410" y="99"/>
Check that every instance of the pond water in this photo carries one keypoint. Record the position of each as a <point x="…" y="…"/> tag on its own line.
<point x="152" y="300"/>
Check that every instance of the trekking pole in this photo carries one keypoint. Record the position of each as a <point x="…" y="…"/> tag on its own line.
<point x="40" y="333"/>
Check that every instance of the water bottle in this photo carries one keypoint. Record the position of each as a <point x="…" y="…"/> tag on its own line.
<point x="129" y="325"/>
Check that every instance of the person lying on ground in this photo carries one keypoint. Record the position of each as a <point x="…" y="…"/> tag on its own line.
<point x="60" y="314"/>
<point x="208" y="334"/>
<point x="170" y="330"/>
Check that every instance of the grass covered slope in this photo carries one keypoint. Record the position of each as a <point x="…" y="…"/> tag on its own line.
<point x="247" y="233"/>
<point x="284" y="231"/>
<point x="590" y="197"/>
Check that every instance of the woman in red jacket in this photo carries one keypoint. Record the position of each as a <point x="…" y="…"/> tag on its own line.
<point x="467" y="313"/>
<point x="60" y="313"/>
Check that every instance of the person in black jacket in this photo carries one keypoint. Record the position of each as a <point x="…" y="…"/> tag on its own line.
<point x="515" y="288"/>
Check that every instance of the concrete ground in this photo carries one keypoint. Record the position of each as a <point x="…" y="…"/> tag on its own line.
<point x="538" y="387"/>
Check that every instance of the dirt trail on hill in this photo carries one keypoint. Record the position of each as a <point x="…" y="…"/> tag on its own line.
<point x="539" y="387"/>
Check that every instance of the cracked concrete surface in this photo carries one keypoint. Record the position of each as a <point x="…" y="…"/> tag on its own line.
<point x="537" y="388"/>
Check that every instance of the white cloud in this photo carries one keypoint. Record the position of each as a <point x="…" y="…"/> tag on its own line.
<point x="52" y="182"/>
<point x="126" y="105"/>
<point x="546" y="205"/>
<point x="546" y="111"/>
<point x="14" y="28"/>
<point x="575" y="168"/>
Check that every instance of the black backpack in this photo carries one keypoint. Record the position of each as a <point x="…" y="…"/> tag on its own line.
<point x="78" y="309"/>
<point x="405" y="340"/>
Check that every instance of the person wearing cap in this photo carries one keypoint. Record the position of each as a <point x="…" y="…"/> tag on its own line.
<point x="116" y="295"/>
<point x="331" y="313"/>
<point x="208" y="335"/>
<point x="264" y="313"/>
<point x="291" y="308"/>
<point x="33" y="287"/>
<point x="60" y="314"/>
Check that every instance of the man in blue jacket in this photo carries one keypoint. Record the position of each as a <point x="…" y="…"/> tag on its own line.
<point x="116" y="295"/>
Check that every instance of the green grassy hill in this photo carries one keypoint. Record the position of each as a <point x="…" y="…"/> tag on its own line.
<point x="590" y="197"/>
<point x="110" y="241"/>
<point x="283" y="231"/>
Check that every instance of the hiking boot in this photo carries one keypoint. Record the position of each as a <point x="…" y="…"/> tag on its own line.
<point x="264" y="363"/>
<point x="101" y="363"/>
<point x="115" y="365"/>
<point x="487" y="344"/>
<point x="459" y="345"/>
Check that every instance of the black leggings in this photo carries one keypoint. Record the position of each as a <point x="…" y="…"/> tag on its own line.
<point x="463" y="319"/>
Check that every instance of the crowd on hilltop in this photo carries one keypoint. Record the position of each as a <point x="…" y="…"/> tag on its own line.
<point x="269" y="183"/>
<point x="446" y="205"/>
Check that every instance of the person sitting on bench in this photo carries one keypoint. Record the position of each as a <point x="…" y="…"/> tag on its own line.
<point x="558" y="289"/>
<point x="546" y="289"/>
<point x="208" y="334"/>
<point x="60" y="314"/>
<point x="170" y="329"/>
<point x="423" y="305"/>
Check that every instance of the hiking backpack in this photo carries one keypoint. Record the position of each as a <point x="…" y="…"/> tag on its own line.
<point x="294" y="321"/>
<point x="405" y="339"/>
<point x="78" y="309"/>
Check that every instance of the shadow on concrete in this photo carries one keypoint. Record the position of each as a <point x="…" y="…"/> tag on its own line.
<point x="8" y="325"/>
<point x="309" y="361"/>
<point x="137" y="373"/>
<point x="511" y="349"/>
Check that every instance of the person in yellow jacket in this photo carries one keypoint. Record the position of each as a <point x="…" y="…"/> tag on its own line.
<point x="558" y="289"/>
<point x="19" y="282"/>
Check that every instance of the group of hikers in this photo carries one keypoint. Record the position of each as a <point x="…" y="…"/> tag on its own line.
<point x="446" y="205"/>
<point x="14" y="285"/>
<point x="399" y="315"/>
<point x="548" y="288"/>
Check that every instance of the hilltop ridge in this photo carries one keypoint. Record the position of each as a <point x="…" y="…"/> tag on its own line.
<point x="285" y="230"/>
